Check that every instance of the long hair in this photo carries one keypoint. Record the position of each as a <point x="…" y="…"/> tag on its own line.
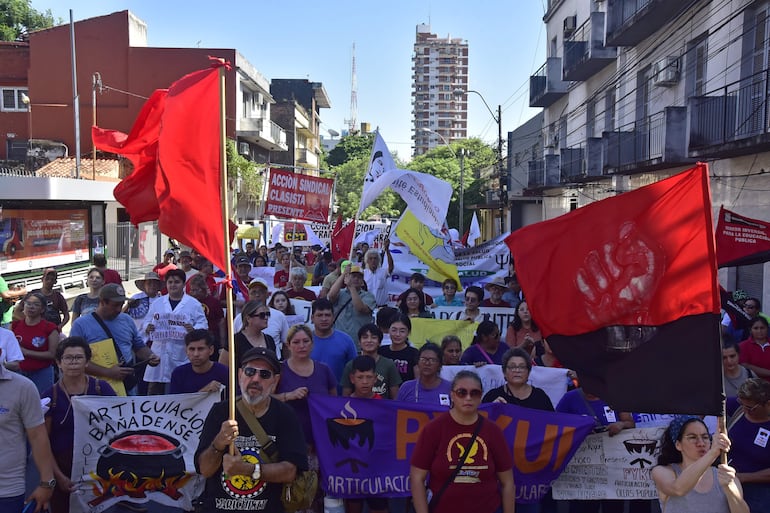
<point x="420" y="296"/>
<point x="517" y="322"/>
<point x="289" y="306"/>
<point x="484" y="328"/>
<point x="668" y="452"/>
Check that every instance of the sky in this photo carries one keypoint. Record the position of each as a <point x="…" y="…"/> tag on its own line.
<point x="314" y="40"/>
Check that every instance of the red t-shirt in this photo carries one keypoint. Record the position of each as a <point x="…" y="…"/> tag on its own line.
<point x="33" y="338"/>
<point x="439" y="447"/>
<point x="754" y="354"/>
<point x="112" y="276"/>
<point x="306" y="294"/>
<point x="281" y="279"/>
<point x="501" y="304"/>
<point x="161" y="269"/>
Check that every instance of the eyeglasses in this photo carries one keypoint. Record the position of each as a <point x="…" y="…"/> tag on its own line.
<point x="516" y="368"/>
<point x="73" y="358"/>
<point x="428" y="359"/>
<point x="261" y="315"/>
<point x="471" y="299"/>
<point x="464" y="392"/>
<point x="263" y="373"/>
<point x="705" y="438"/>
<point x="749" y="409"/>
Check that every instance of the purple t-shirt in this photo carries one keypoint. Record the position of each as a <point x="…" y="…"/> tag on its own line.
<point x="474" y="354"/>
<point x="185" y="380"/>
<point x="750" y="448"/>
<point x="575" y="402"/>
<point x="318" y="383"/>
<point x="413" y="392"/>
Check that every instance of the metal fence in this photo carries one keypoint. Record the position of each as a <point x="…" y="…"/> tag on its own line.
<point x="133" y="251"/>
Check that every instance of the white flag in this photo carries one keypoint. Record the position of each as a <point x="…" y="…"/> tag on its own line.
<point x="427" y="196"/>
<point x="474" y="232"/>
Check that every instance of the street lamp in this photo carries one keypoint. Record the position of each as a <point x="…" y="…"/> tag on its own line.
<point x="498" y="118"/>
<point x="462" y="172"/>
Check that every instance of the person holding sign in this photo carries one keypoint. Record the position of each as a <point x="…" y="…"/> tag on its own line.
<point x="466" y="455"/>
<point x="170" y="318"/>
<point x="72" y="357"/>
<point x="110" y="327"/>
<point x="686" y="480"/>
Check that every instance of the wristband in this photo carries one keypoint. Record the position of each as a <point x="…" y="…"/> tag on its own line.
<point x="218" y="451"/>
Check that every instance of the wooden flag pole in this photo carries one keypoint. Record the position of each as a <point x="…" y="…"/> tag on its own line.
<point x="228" y="267"/>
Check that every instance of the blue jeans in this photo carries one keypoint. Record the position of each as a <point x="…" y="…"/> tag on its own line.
<point x="43" y="378"/>
<point x="12" y="504"/>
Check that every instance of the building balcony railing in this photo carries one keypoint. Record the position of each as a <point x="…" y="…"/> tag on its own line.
<point x="631" y="21"/>
<point x="581" y="162"/>
<point x="543" y="172"/>
<point x="262" y="132"/>
<point x="584" y="51"/>
<point x="732" y="120"/>
<point x="546" y="85"/>
<point x="307" y="157"/>
<point x="655" y="142"/>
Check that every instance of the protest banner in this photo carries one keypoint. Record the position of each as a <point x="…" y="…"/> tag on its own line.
<point x="616" y="467"/>
<point x="351" y="434"/>
<point x="475" y="266"/>
<point x="296" y="196"/>
<point x="137" y="449"/>
<point x="500" y="316"/>
<point x="552" y="380"/>
<point x="168" y="339"/>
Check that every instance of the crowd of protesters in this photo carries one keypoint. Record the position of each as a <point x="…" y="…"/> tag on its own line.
<point x="358" y="344"/>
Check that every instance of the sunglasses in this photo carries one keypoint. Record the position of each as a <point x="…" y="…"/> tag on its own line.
<point x="263" y="373"/>
<point x="261" y="315"/>
<point x="464" y="392"/>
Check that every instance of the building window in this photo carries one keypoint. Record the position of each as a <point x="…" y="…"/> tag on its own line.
<point x="609" y="110"/>
<point x="12" y="99"/>
<point x="695" y="74"/>
<point x="590" y="117"/>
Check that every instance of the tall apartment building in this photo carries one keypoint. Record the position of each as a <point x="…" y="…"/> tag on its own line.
<point x="636" y="91"/>
<point x="440" y="67"/>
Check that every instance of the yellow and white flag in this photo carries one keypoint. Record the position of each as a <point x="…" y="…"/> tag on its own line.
<point x="432" y="247"/>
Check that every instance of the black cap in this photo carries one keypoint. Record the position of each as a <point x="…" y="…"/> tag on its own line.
<point x="262" y="353"/>
<point x="242" y="260"/>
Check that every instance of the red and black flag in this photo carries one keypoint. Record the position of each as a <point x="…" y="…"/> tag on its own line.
<point x="741" y="240"/>
<point x="626" y="291"/>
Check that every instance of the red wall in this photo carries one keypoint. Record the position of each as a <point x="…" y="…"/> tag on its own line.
<point x="102" y="46"/>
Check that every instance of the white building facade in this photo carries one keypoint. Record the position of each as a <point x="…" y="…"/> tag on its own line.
<point x="634" y="91"/>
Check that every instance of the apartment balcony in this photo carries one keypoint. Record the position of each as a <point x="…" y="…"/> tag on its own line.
<point x="581" y="162"/>
<point x="546" y="85"/>
<point x="731" y="121"/>
<point x="263" y="133"/>
<point x="584" y="51"/>
<point x="629" y="22"/>
<point x="656" y="142"/>
<point x="307" y="158"/>
<point x="543" y="172"/>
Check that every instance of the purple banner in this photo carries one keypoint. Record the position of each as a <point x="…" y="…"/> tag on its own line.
<point x="364" y="446"/>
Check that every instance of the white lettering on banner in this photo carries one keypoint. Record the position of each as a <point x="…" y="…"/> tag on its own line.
<point x="314" y="186"/>
<point x="500" y="316"/>
<point x="287" y="181"/>
<point x="616" y="467"/>
<point x="286" y="197"/>
<point x="282" y="210"/>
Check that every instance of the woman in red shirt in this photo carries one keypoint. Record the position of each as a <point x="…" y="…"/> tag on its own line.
<point x="38" y="340"/>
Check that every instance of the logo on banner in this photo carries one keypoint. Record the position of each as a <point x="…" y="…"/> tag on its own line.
<point x="136" y="463"/>
<point x="346" y="430"/>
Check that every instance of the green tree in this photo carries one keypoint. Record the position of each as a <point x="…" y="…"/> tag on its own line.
<point x="240" y="167"/>
<point x="442" y="163"/>
<point x="351" y="147"/>
<point x="18" y="19"/>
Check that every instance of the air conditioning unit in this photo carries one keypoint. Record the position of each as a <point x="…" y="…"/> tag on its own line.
<point x="492" y="196"/>
<point x="665" y="72"/>
<point x="243" y="149"/>
<point x="570" y="24"/>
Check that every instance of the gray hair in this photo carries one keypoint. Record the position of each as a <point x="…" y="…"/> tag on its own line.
<point x="298" y="271"/>
<point x="375" y="252"/>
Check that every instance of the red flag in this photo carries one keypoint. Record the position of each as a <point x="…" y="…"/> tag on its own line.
<point x="342" y="239"/>
<point x="626" y="291"/>
<point x="174" y="145"/>
<point x="741" y="240"/>
<point x="137" y="191"/>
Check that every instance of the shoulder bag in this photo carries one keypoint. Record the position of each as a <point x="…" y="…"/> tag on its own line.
<point x="131" y="380"/>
